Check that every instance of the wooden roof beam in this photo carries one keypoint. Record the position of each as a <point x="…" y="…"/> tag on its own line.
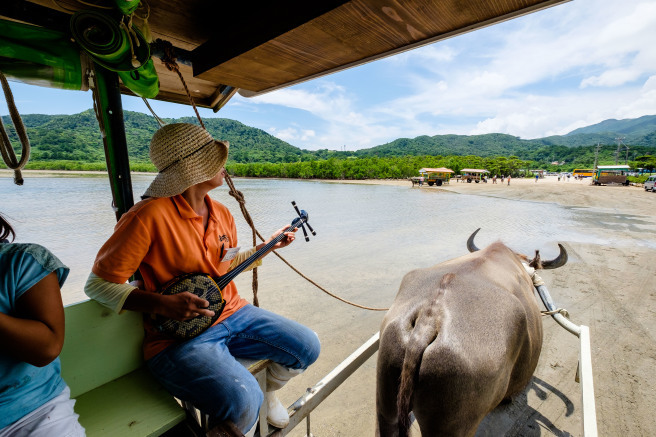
<point x="233" y="30"/>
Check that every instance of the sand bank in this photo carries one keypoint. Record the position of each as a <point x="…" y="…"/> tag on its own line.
<point x="609" y="287"/>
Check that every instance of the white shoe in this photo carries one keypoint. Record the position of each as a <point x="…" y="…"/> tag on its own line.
<point x="276" y="413"/>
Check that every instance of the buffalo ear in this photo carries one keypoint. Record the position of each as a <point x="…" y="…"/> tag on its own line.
<point x="536" y="263"/>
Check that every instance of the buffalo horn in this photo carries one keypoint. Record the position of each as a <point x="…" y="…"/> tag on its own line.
<point x="559" y="261"/>
<point x="470" y="241"/>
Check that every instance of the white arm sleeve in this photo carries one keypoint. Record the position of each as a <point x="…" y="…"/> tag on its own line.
<point x="107" y="293"/>
<point x="243" y="256"/>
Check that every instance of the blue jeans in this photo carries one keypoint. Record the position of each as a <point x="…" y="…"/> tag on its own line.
<point x="204" y="371"/>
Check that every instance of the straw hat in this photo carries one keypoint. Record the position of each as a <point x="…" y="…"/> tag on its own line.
<point x="185" y="154"/>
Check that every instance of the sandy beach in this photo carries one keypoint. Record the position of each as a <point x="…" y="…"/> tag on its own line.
<point x="609" y="287"/>
<point x="569" y="193"/>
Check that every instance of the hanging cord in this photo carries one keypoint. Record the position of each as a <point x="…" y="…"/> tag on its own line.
<point x="133" y="39"/>
<point x="159" y="120"/>
<point x="8" y="154"/>
<point x="144" y="9"/>
<point x="169" y="60"/>
<point x="96" y="101"/>
<point x="242" y="204"/>
<point x="239" y="196"/>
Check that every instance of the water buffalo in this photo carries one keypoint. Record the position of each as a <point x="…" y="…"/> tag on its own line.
<point x="460" y="338"/>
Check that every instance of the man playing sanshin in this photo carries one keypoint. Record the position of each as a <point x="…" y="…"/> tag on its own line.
<point x="179" y="229"/>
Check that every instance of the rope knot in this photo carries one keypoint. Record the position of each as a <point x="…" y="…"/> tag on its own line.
<point x="169" y="59"/>
<point x="562" y="311"/>
<point x="238" y="195"/>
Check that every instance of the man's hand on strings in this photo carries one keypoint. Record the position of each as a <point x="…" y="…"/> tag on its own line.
<point x="289" y="237"/>
<point x="184" y="306"/>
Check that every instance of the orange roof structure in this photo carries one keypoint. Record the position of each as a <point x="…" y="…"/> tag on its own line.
<point x="473" y="170"/>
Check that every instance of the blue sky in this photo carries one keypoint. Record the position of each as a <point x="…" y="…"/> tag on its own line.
<point x="546" y="73"/>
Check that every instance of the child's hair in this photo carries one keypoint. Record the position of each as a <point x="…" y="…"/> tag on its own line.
<point x="6" y="229"/>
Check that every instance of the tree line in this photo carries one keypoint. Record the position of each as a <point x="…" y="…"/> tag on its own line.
<point x="379" y="167"/>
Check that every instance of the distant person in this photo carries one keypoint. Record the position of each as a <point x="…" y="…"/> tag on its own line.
<point x="494" y="179"/>
<point x="559" y="178"/>
<point x="34" y="399"/>
<point x="568" y="176"/>
<point x="421" y="181"/>
<point x="502" y="178"/>
<point x="536" y="178"/>
<point x="508" y="179"/>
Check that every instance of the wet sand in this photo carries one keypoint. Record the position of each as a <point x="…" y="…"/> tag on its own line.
<point x="610" y="287"/>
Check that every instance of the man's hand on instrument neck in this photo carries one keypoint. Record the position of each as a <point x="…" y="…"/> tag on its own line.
<point x="289" y="239"/>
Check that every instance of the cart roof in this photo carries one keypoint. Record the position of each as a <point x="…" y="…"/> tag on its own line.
<point x="436" y="170"/>
<point x="613" y="167"/>
<point x="258" y="47"/>
<point x="473" y="170"/>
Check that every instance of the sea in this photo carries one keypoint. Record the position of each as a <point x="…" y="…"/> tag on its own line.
<point x="367" y="236"/>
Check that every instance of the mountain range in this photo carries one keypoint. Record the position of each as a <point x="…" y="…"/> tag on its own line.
<point x="77" y="137"/>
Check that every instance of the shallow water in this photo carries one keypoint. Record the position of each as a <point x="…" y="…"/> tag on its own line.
<point x="368" y="236"/>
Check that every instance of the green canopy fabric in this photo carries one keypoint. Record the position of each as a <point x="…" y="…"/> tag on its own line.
<point x="143" y="81"/>
<point x="110" y="45"/>
<point x="40" y="56"/>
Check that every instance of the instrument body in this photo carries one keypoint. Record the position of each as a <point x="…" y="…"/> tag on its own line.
<point x="205" y="286"/>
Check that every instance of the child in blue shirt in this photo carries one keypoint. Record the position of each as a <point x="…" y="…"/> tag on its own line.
<point x="34" y="399"/>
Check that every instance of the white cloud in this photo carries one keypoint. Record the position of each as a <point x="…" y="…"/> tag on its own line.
<point x="329" y="98"/>
<point x="611" y="78"/>
<point x="293" y="135"/>
<point x="543" y="74"/>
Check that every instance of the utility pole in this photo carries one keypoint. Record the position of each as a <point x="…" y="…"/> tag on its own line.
<point x="596" y="155"/>
<point x="626" y="159"/>
<point x="619" y="146"/>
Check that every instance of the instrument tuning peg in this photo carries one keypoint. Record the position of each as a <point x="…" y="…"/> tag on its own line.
<point x="305" y="233"/>
<point x="310" y="228"/>
<point x="304" y="221"/>
<point x="296" y="208"/>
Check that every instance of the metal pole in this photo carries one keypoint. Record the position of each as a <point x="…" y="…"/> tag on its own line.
<point x="107" y="95"/>
<point x="584" y="375"/>
<point x="320" y="391"/>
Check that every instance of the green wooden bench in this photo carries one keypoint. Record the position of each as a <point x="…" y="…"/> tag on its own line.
<point x="115" y="394"/>
<point x="102" y="364"/>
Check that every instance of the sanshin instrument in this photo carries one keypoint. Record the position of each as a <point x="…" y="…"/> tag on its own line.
<point x="210" y="288"/>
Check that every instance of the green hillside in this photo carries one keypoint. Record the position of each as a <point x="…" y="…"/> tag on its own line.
<point x="74" y="142"/>
<point x="634" y="126"/>
<point x="480" y="145"/>
<point x="77" y="138"/>
<point x="579" y="148"/>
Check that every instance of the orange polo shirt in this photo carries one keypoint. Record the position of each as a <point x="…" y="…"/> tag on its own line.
<point x="163" y="237"/>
